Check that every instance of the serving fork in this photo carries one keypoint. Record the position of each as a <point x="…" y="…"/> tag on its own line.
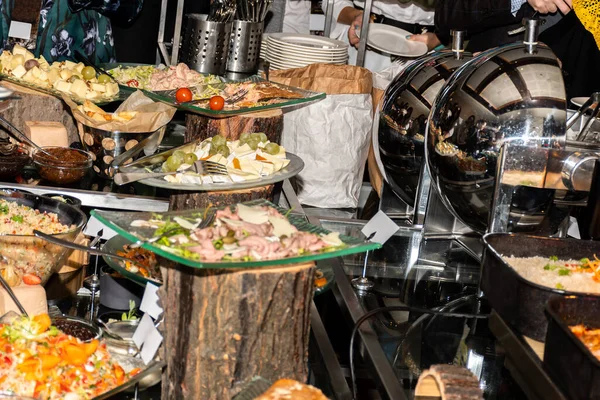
<point x="202" y="167"/>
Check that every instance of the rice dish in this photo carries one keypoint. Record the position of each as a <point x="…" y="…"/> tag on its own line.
<point x="570" y="275"/>
<point x="16" y="219"/>
<point x="27" y="253"/>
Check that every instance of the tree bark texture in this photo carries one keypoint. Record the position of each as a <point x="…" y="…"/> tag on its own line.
<point x="182" y="200"/>
<point x="269" y="122"/>
<point x="224" y="327"/>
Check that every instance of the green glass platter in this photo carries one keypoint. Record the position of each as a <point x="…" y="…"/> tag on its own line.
<point x="120" y="222"/>
<point x="57" y="93"/>
<point x="115" y="244"/>
<point x="308" y="96"/>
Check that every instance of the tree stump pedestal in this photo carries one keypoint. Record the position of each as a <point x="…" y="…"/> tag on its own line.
<point x="224" y="327"/>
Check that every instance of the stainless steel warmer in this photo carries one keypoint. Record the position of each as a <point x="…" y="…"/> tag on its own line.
<point x="511" y="94"/>
<point x="403" y="118"/>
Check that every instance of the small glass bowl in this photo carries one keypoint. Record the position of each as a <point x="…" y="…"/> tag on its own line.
<point x="58" y="171"/>
<point x="12" y="165"/>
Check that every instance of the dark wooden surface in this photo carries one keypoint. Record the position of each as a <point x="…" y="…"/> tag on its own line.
<point x="269" y="122"/>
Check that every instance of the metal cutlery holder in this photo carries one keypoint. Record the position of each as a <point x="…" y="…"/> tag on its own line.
<point x="244" y="46"/>
<point x="205" y="44"/>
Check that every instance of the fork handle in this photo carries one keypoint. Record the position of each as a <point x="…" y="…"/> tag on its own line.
<point x="123" y="178"/>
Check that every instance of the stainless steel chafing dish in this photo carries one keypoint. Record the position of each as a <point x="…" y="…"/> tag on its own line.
<point x="511" y="94"/>
<point x="403" y="117"/>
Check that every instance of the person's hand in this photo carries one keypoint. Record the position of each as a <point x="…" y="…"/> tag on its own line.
<point x="550" y="6"/>
<point x="430" y="39"/>
<point x="354" y="25"/>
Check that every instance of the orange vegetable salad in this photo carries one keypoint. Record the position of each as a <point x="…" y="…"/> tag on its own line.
<point x="38" y="360"/>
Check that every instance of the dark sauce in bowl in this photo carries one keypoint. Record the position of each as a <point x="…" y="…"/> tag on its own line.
<point x="79" y="329"/>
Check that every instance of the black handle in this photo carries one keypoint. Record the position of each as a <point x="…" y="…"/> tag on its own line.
<point x="590" y="223"/>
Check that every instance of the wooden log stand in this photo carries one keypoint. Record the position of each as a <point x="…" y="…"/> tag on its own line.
<point x="224" y="327"/>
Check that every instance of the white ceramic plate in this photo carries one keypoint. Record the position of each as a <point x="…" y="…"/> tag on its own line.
<point x="579" y="101"/>
<point x="392" y="40"/>
<point x="305" y="50"/>
<point x="299" y="54"/>
<point x="288" y="57"/>
<point x="308" y="43"/>
<point x="293" y="168"/>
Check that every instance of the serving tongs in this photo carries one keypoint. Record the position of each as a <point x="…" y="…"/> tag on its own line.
<point x="21" y="137"/>
<point x="151" y="141"/>
<point x="593" y="103"/>
<point x="74" y="246"/>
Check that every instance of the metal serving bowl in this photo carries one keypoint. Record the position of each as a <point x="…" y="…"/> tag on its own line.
<point x="511" y="93"/>
<point x="402" y="125"/>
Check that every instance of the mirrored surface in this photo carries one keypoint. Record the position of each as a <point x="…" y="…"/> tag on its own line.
<point x="504" y="94"/>
<point x="402" y="126"/>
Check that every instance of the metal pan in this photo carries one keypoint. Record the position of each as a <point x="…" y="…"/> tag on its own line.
<point x="518" y="301"/>
<point x="569" y="363"/>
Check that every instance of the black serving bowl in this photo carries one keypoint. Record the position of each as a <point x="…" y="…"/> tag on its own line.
<point x="568" y="362"/>
<point x="12" y="165"/>
<point x="518" y="301"/>
<point x="78" y="327"/>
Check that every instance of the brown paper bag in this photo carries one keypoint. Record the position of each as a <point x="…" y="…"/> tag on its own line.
<point x="328" y="78"/>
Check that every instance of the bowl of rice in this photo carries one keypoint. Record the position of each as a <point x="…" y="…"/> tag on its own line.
<point x="20" y="215"/>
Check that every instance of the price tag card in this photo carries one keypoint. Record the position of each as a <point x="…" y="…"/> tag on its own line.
<point x="142" y="331"/>
<point x="94" y="226"/>
<point x="151" y="345"/>
<point x="25" y="19"/>
<point x="150" y="301"/>
<point x="381" y="227"/>
<point x="20" y="30"/>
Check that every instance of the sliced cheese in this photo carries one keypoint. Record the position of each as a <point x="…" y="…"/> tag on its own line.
<point x="281" y="226"/>
<point x="252" y="215"/>
<point x="19" y="71"/>
<point x="332" y="239"/>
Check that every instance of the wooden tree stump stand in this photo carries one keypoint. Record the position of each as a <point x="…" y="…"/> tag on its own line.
<point x="201" y="127"/>
<point x="224" y="327"/>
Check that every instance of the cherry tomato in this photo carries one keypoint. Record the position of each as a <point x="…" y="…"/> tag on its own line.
<point x="217" y="103"/>
<point x="132" y="83"/>
<point x="183" y="95"/>
<point x="30" y="279"/>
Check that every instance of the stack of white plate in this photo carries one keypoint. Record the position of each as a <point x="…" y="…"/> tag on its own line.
<point x="293" y="50"/>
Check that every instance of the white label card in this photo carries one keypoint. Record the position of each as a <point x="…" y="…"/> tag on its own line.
<point x="382" y="227"/>
<point x="142" y="331"/>
<point x="21" y="30"/>
<point x="150" y="301"/>
<point x="573" y="230"/>
<point x="94" y="226"/>
<point x="151" y="345"/>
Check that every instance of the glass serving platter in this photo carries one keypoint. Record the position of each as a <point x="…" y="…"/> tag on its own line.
<point x="168" y="97"/>
<point x="56" y="93"/>
<point x="129" y="89"/>
<point x="120" y="222"/>
<point x="116" y="244"/>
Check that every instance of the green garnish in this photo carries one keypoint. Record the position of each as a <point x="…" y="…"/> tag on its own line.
<point x="553" y="258"/>
<point x="17" y="218"/>
<point x="564" y="272"/>
<point x="550" y="267"/>
<point x="164" y="241"/>
<point x="218" y="244"/>
<point x="288" y="212"/>
<point x="559" y="286"/>
<point x="4" y="209"/>
<point x="130" y="315"/>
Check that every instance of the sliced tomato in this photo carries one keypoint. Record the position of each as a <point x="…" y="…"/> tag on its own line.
<point x="133" y="83"/>
<point x="31" y="279"/>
